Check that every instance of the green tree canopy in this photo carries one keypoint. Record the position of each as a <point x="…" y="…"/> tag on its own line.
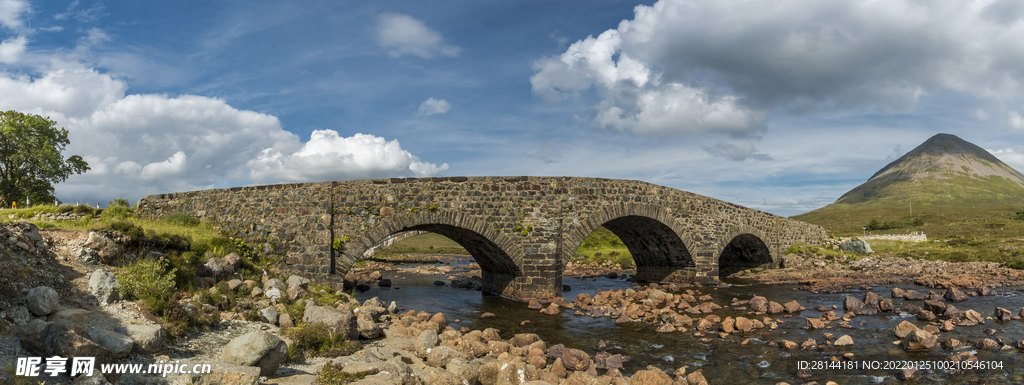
<point x="30" y="157"/>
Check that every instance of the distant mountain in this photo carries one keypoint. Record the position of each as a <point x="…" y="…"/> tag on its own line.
<point x="943" y="171"/>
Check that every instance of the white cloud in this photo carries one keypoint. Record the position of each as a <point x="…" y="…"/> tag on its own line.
<point x="329" y="156"/>
<point x="11" y="12"/>
<point x="1016" y="121"/>
<point x="170" y="168"/>
<point x="738" y="150"/>
<point x="146" y="144"/>
<point x="981" y="114"/>
<point x="1013" y="156"/>
<point x="404" y="35"/>
<point x="681" y="60"/>
<point x="433" y="106"/>
<point x="11" y="49"/>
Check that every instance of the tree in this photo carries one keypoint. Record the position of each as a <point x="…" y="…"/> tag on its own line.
<point x="30" y="157"/>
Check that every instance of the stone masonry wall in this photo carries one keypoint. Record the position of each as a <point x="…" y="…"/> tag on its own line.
<point x="522" y="230"/>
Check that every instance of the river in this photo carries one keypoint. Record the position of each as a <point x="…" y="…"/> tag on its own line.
<point x="725" y="360"/>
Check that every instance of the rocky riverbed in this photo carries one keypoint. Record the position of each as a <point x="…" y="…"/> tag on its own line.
<point x="60" y="302"/>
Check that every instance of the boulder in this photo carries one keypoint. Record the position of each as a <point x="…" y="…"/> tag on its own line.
<point x="815" y="323"/>
<point x="69" y="340"/>
<point x="104" y="286"/>
<point x="953" y="294"/>
<point x="516" y="373"/>
<point x="851" y="303"/>
<point x="228" y="373"/>
<point x="744" y="325"/>
<point x="32" y="334"/>
<point x="297" y="281"/>
<point x="843" y="341"/>
<point x="859" y="246"/>
<point x="105" y="247"/>
<point x="275" y="283"/>
<point x="937" y="307"/>
<point x="914" y="295"/>
<point x="273" y="293"/>
<point x="919" y="340"/>
<point x="42" y="300"/>
<point x="426" y="341"/>
<point x="285" y="321"/>
<point x="872" y="299"/>
<point x="575" y="359"/>
<point x="696" y="378"/>
<point x="793" y="306"/>
<point x="341" y="321"/>
<point x="650" y="376"/>
<point x="898" y="293"/>
<point x="886" y="305"/>
<point x="367" y="328"/>
<point x="269" y="315"/>
<point x="257" y="348"/>
<point x="904" y="329"/>
<point x="1002" y="314"/>
<point x="147" y="338"/>
<point x="440" y="356"/>
<point x="116" y="343"/>
<point x="775" y="308"/>
<point x="758" y="304"/>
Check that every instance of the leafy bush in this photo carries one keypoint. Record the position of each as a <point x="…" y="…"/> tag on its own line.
<point x="332" y="374"/>
<point x="320" y="340"/>
<point x="1016" y="264"/>
<point x="148" y="280"/>
<point x="183" y="220"/>
<point x="130" y="229"/>
<point x="1018" y="216"/>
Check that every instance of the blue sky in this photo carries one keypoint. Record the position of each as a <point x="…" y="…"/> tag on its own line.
<point x="781" y="106"/>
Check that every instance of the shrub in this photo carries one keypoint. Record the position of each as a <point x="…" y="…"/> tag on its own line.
<point x="1016" y="264"/>
<point x="128" y="228"/>
<point x="319" y="340"/>
<point x="178" y="320"/>
<point x="119" y="208"/>
<point x="149" y="281"/>
<point x="1018" y="216"/>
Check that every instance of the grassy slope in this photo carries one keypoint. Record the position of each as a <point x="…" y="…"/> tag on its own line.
<point x="955" y="234"/>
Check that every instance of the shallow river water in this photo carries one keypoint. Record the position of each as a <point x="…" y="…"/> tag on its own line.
<point x="725" y="360"/>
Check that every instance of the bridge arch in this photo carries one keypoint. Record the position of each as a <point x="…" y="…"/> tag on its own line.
<point x="741" y="248"/>
<point x="500" y="258"/>
<point x="659" y="245"/>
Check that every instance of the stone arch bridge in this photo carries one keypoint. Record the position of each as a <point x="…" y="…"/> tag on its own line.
<point x="521" y="230"/>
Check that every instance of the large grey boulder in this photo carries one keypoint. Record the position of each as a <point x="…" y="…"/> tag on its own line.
<point x="297" y="281"/>
<point x="222" y="267"/>
<point x="257" y="348"/>
<point x="32" y="334"/>
<point x="269" y="315"/>
<point x="859" y="246"/>
<point x="341" y="321"/>
<point x="105" y="247"/>
<point x="117" y="343"/>
<point x="69" y="340"/>
<point x="274" y="282"/>
<point x="104" y="286"/>
<point x="42" y="300"/>
<point x="228" y="373"/>
<point x="147" y="338"/>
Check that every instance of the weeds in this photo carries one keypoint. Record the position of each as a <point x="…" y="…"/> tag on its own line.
<point x="332" y="374"/>
<point x="320" y="340"/>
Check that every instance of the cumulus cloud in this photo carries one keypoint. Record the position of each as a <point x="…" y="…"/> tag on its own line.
<point x="11" y="12"/>
<point x="402" y="34"/>
<point x="737" y="150"/>
<point x="685" y="61"/>
<point x="1013" y="156"/>
<point x="329" y="156"/>
<point x="433" y="106"/>
<point x="11" y="49"/>
<point x="1016" y="121"/>
<point x="152" y="143"/>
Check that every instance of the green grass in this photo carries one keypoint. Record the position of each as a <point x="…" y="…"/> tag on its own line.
<point x="332" y="374"/>
<point x="603" y="246"/>
<point x="954" y="234"/>
<point x="429" y="243"/>
<point x="318" y="340"/>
